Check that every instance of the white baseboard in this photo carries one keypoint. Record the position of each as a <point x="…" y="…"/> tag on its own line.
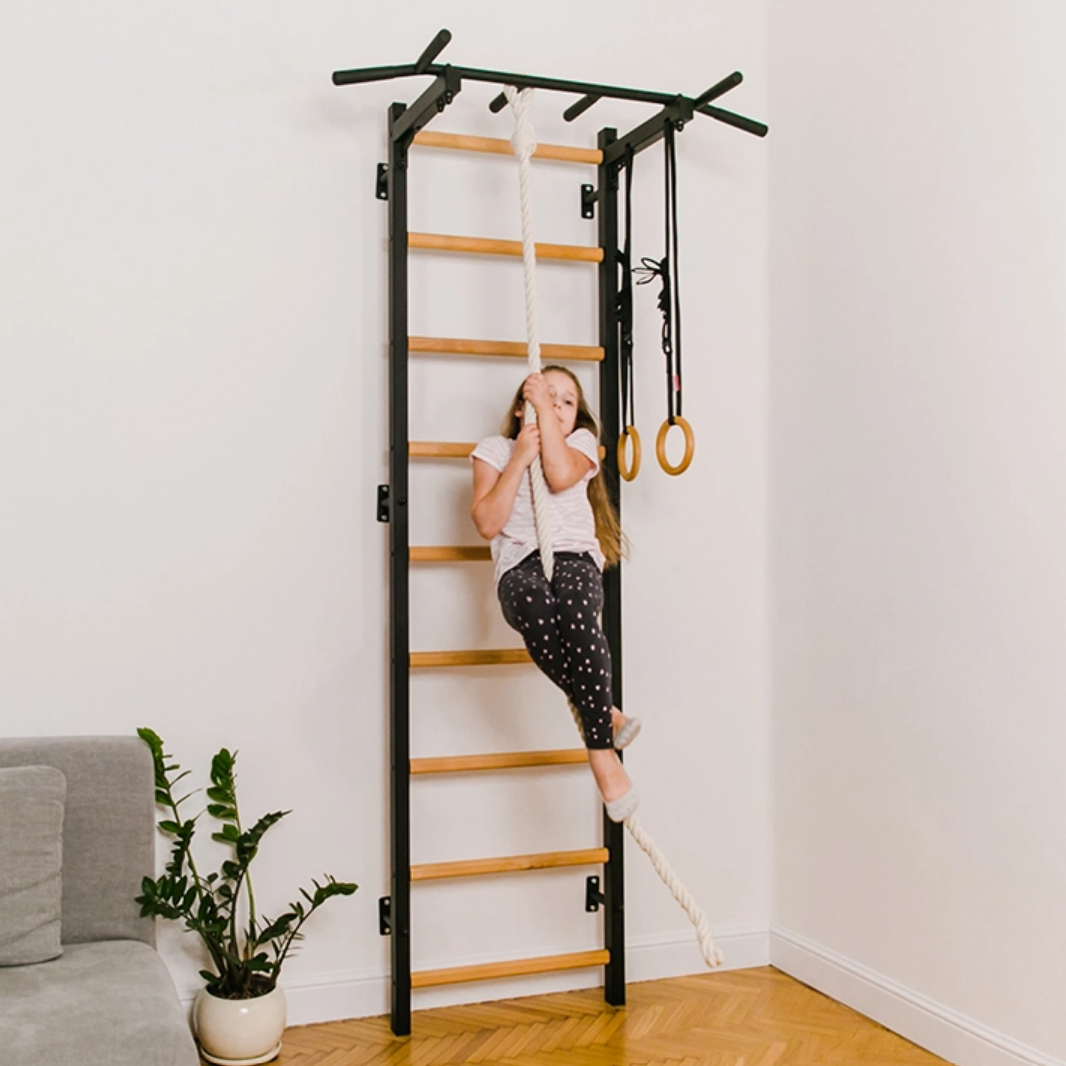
<point x="330" y="997"/>
<point x="940" y="1030"/>
<point x="653" y="958"/>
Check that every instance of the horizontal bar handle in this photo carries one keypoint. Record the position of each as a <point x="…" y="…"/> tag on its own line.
<point x="505" y="864"/>
<point x="748" y="125"/>
<point x="487" y="971"/>
<point x="730" y="81"/>
<point x="433" y="49"/>
<point x="581" y="106"/>
<point x="433" y="449"/>
<point x="440" y="242"/>
<point x="504" y="760"/>
<point x="462" y="142"/>
<point x="365" y="74"/>
<point x="446" y="554"/>
<point x="515" y="349"/>
<point x="488" y="657"/>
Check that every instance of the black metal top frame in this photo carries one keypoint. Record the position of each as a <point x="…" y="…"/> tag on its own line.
<point x="588" y="91"/>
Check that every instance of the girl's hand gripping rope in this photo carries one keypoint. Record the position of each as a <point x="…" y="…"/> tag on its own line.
<point x="527" y="445"/>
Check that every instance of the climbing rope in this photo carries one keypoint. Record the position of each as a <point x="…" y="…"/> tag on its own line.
<point x="710" y="951"/>
<point x="523" y="144"/>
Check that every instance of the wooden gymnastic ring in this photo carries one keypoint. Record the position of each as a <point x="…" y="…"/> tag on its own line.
<point x="627" y="473"/>
<point x="690" y="446"/>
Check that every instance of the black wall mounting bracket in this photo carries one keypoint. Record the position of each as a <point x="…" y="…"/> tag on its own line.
<point x="594" y="898"/>
<point x="588" y="201"/>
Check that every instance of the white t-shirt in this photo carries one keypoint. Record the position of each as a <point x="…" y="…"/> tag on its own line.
<point x="573" y="526"/>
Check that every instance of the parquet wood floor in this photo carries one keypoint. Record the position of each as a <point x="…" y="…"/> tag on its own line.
<point x="741" y="1018"/>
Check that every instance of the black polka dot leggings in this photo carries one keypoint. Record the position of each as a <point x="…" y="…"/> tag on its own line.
<point x="560" y="626"/>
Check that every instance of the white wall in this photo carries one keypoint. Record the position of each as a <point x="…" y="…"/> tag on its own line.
<point x="192" y="426"/>
<point x="917" y="455"/>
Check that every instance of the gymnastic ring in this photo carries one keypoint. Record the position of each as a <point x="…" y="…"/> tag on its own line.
<point x="627" y="473"/>
<point x="690" y="446"/>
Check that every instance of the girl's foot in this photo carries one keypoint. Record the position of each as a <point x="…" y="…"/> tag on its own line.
<point x="620" y="809"/>
<point x="625" y="729"/>
<point x="619" y="795"/>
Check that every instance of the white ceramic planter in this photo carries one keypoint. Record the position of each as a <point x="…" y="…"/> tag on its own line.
<point x="239" y="1032"/>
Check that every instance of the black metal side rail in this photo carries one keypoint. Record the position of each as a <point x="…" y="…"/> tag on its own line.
<point x="393" y="509"/>
<point x="607" y="286"/>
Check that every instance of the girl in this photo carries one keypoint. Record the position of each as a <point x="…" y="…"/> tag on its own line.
<point x="559" y="622"/>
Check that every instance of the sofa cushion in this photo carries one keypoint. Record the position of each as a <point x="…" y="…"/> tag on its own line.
<point x="32" y="799"/>
<point x="111" y="1003"/>
<point x="109" y="833"/>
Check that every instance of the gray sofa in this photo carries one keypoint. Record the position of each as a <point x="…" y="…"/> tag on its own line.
<point x="106" y="997"/>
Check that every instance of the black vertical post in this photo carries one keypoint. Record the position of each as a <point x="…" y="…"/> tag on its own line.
<point x="610" y="416"/>
<point x="399" y="561"/>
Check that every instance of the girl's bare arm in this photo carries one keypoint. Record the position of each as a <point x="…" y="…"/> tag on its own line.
<point x="495" y="491"/>
<point x="563" y="466"/>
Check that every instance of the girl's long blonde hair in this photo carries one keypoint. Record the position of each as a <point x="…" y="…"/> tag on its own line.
<point x="608" y="529"/>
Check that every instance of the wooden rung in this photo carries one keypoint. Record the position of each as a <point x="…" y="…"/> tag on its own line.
<point x="444" y="554"/>
<point x="441" y="242"/>
<point x="454" y="975"/>
<point x="496" y="146"/>
<point x="450" y="450"/>
<point x="548" y="860"/>
<point x="549" y="353"/>
<point x="503" y="760"/>
<point x="486" y="657"/>
<point x="439" y="449"/>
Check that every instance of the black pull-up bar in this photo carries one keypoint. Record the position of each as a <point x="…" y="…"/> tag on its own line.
<point x="589" y="93"/>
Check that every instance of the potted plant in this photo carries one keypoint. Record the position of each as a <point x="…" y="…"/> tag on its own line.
<point x="247" y="950"/>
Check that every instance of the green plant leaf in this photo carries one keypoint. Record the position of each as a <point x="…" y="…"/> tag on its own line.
<point x="223" y="776"/>
<point x="279" y="927"/>
<point x="152" y="739"/>
<point x="248" y="842"/>
<point x="331" y="888"/>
